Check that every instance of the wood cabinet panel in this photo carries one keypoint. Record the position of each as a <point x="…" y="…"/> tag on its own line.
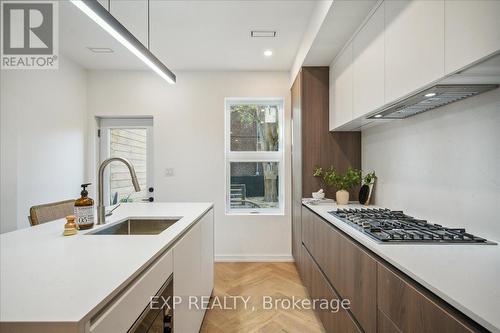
<point x="472" y="31"/>
<point x="410" y="309"/>
<point x="357" y="275"/>
<point x="313" y="144"/>
<point x="319" y="146"/>
<point x="350" y="270"/>
<point x="319" y="289"/>
<point x="297" y="233"/>
<point x="414" y="46"/>
<point x="296" y="171"/>
<point x="385" y="325"/>
<point x="368" y="65"/>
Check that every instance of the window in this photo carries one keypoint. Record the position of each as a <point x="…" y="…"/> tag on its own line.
<point x="254" y="156"/>
<point x="129" y="138"/>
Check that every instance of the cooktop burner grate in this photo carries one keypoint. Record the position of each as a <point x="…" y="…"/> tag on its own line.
<point x="389" y="226"/>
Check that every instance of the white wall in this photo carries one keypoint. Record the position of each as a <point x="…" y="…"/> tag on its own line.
<point x="43" y="128"/>
<point x="189" y="137"/>
<point x="442" y="165"/>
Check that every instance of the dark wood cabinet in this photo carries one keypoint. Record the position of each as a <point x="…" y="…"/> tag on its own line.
<point x="313" y="144"/>
<point x="350" y="270"/>
<point x="382" y="299"/>
<point x="319" y="289"/>
<point x="385" y="325"/>
<point x="412" y="309"/>
<point x="319" y="146"/>
<point x="296" y="173"/>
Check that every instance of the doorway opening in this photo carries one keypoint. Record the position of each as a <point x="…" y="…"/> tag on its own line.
<point x="132" y="139"/>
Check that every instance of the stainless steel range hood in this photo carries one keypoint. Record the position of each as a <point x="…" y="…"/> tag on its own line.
<point x="472" y="81"/>
<point x="432" y="98"/>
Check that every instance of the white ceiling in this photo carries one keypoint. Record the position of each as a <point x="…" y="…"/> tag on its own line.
<point x="342" y="20"/>
<point x="215" y="35"/>
<point x="77" y="32"/>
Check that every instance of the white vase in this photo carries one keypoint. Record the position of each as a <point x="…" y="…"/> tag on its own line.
<point x="342" y="197"/>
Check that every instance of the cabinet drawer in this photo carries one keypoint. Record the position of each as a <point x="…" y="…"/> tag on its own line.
<point x="350" y="270"/>
<point x="319" y="288"/>
<point x="411" y="310"/>
<point x="122" y="313"/>
<point x="385" y="325"/>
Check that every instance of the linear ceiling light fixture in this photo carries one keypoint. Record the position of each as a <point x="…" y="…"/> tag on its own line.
<point x="105" y="20"/>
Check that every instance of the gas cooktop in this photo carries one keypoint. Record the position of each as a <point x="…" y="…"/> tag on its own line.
<point x="389" y="226"/>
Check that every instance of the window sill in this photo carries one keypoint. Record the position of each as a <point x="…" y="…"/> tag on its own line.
<point x="255" y="213"/>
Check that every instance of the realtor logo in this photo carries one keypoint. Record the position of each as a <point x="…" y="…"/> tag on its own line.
<point x="29" y="39"/>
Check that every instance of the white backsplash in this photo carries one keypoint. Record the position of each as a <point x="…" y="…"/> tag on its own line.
<point x="442" y="165"/>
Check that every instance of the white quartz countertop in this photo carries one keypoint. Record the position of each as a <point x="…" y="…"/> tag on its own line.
<point x="46" y="277"/>
<point x="465" y="276"/>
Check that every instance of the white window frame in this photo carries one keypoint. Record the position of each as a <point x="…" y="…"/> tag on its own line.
<point x="258" y="156"/>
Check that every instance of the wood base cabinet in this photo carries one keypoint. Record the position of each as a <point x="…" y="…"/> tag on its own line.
<point x="350" y="270"/>
<point x="320" y="289"/>
<point x="407" y="308"/>
<point x="382" y="299"/>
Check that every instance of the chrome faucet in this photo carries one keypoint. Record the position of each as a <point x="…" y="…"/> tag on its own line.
<point x="101" y="211"/>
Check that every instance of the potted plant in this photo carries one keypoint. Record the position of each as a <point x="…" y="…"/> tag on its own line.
<point x="341" y="182"/>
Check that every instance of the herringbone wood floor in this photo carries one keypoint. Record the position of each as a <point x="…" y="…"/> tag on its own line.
<point x="278" y="280"/>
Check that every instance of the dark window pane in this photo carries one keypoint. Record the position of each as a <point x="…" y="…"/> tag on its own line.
<point x="254" y="127"/>
<point x="254" y="185"/>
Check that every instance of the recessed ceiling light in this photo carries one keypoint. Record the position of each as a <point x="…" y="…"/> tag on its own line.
<point x="378" y="116"/>
<point x="262" y="33"/>
<point x="268" y="53"/>
<point x="100" y="49"/>
<point x="430" y="94"/>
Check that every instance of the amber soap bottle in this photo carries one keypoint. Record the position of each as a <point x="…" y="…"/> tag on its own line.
<point x="84" y="209"/>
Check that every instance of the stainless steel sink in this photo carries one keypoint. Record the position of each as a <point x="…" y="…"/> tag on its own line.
<point x="136" y="227"/>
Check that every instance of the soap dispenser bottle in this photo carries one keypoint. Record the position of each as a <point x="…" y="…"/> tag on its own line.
<point x="84" y="209"/>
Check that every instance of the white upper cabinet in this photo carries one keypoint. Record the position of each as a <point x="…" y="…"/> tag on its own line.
<point x="472" y="30"/>
<point x="414" y="45"/>
<point x="368" y="65"/>
<point x="133" y="15"/>
<point x="341" y="89"/>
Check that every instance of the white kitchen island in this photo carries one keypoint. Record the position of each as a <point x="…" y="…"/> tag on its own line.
<point x="52" y="283"/>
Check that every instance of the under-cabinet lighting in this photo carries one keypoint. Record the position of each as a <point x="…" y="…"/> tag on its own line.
<point x="122" y="35"/>
<point x="432" y="94"/>
<point x="378" y="116"/>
